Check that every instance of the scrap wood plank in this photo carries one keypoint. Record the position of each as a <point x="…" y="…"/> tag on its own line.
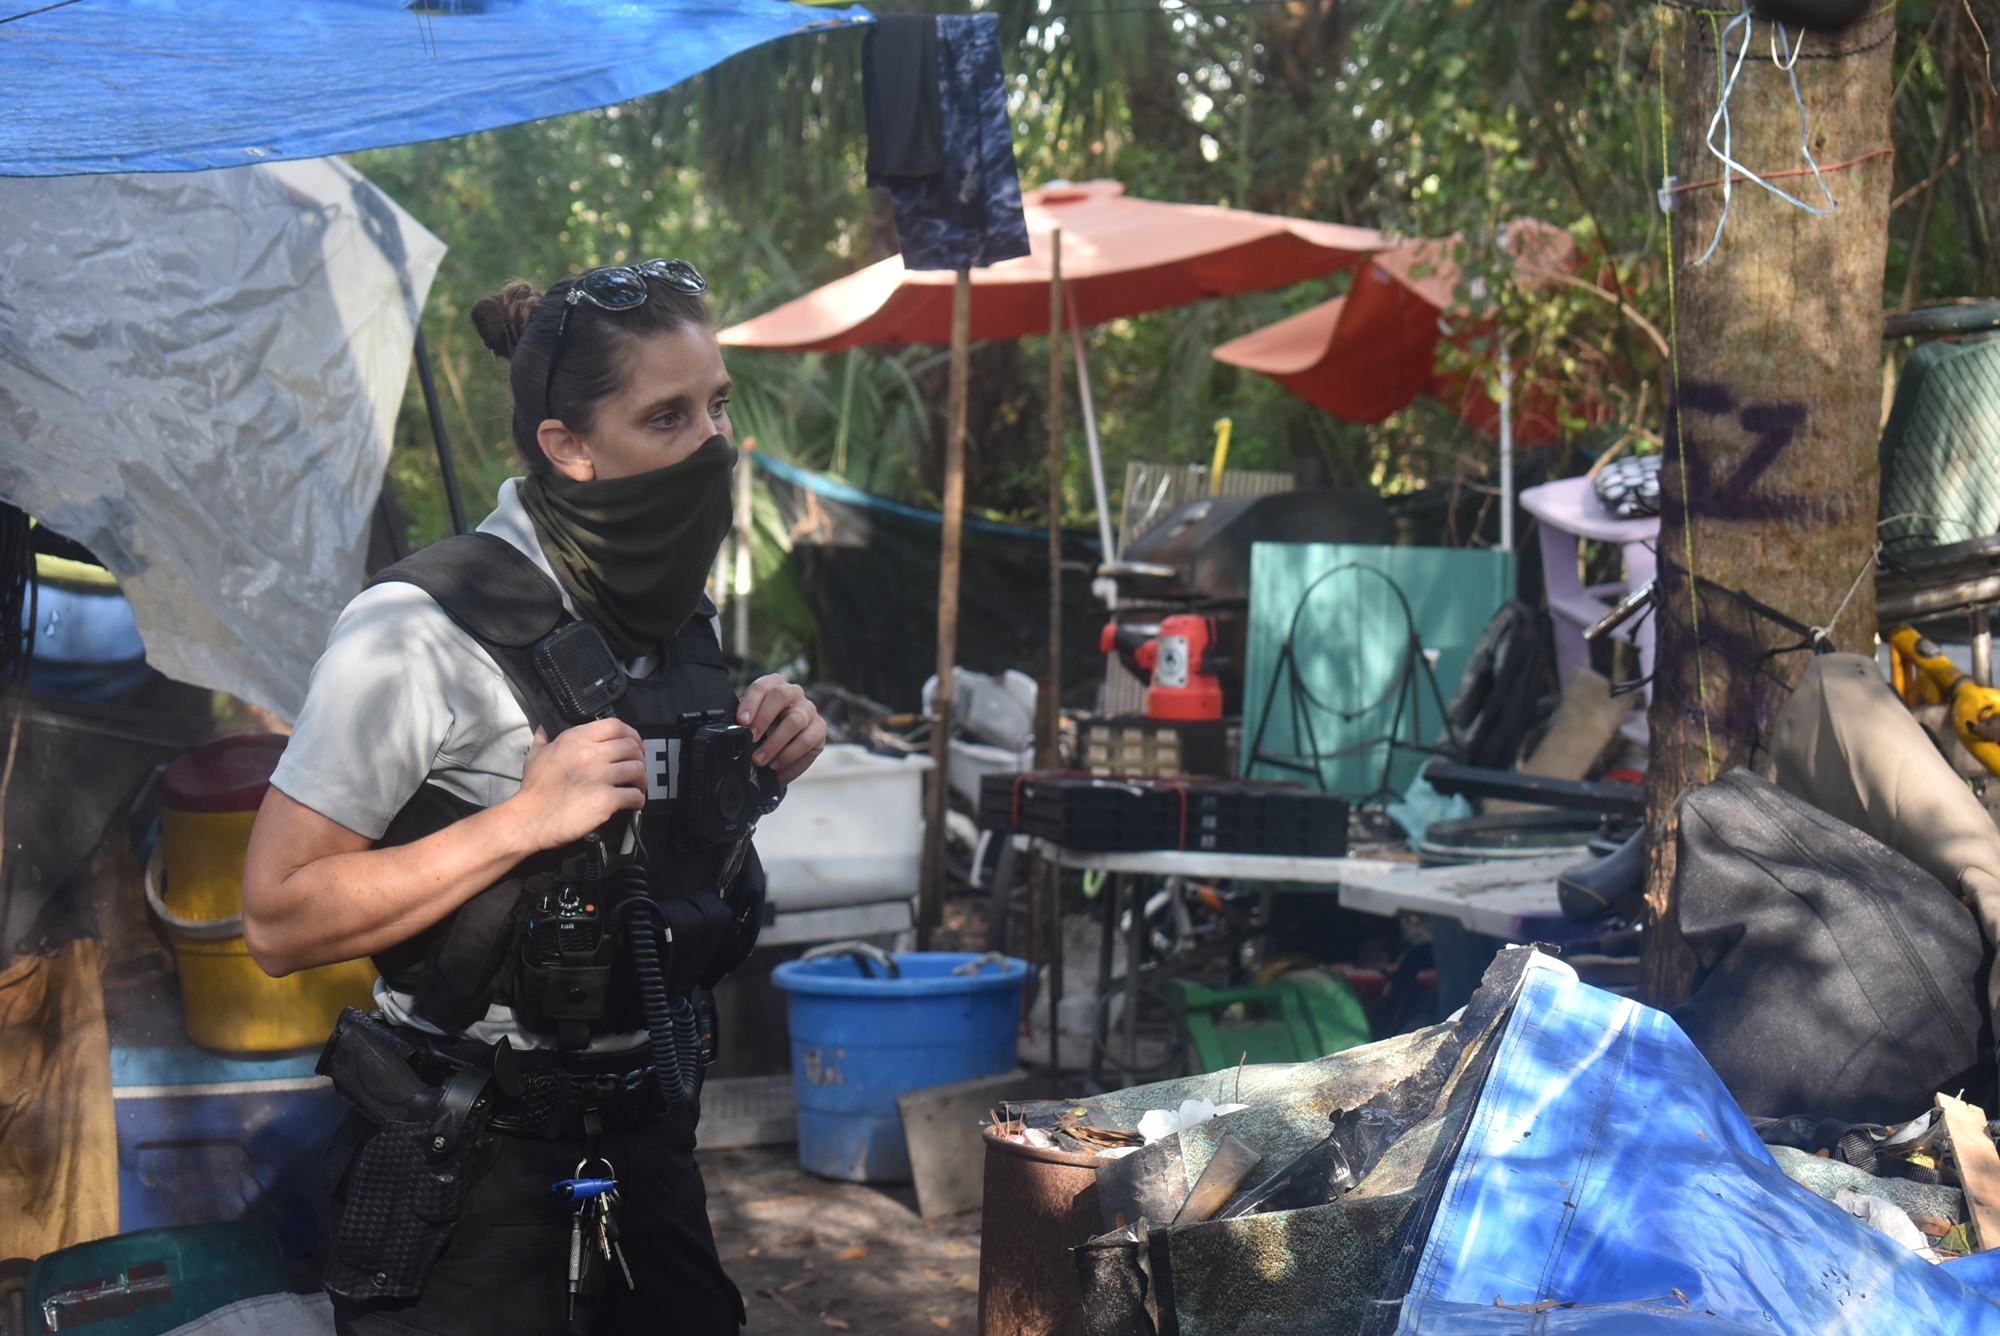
<point x="1978" y="1168"/>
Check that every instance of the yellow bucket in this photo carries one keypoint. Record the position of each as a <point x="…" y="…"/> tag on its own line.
<point x="194" y="882"/>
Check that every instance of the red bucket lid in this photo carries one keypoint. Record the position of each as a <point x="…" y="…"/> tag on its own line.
<point x="227" y="775"/>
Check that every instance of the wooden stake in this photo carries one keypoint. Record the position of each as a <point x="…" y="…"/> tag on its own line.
<point x="930" y="904"/>
<point x="1048" y="739"/>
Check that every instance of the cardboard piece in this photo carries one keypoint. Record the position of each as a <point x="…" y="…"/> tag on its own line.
<point x="942" y="1126"/>
<point x="1978" y="1168"/>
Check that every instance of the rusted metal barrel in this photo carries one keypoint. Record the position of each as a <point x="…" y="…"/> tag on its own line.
<point x="1039" y="1205"/>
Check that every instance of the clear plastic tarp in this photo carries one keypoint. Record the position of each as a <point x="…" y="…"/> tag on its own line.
<point x="199" y="377"/>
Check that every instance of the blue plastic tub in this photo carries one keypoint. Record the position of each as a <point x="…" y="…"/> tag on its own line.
<point x="857" y="1041"/>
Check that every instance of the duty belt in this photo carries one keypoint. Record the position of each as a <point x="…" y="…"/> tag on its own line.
<point x="552" y="1104"/>
<point x="556" y="1091"/>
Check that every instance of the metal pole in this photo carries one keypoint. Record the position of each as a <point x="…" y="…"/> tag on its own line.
<point x="446" y="467"/>
<point x="1054" y="875"/>
<point x="1135" y="937"/>
<point x="1048" y="724"/>
<point x="1001" y="902"/>
<point x="1100" y="1015"/>
<point x="1506" y="451"/>
<point x="1048" y="749"/>
<point x="1090" y="431"/>
<point x="930" y="907"/>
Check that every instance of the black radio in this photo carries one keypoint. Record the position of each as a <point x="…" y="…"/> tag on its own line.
<point x="567" y="955"/>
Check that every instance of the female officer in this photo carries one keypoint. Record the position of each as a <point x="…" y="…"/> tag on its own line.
<point x="418" y="813"/>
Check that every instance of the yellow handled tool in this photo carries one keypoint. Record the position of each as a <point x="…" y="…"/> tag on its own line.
<point x="1922" y="675"/>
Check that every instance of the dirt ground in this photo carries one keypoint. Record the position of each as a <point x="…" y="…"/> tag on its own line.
<point x="810" y="1253"/>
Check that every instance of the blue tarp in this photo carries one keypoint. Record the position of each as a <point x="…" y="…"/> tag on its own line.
<point x="1605" y="1164"/>
<point x="181" y="85"/>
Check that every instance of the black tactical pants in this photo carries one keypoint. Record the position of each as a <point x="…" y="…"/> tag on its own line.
<point x="506" y="1269"/>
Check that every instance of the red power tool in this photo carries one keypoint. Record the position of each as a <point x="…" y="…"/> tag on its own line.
<point x="1180" y="659"/>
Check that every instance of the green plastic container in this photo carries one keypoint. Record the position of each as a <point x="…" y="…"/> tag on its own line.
<point x="1306" y="1014"/>
<point x="153" y="1280"/>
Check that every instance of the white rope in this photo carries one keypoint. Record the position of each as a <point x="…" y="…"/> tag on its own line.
<point x="1724" y="155"/>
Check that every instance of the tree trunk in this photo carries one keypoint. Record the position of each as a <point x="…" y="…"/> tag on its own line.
<point x="1769" y="480"/>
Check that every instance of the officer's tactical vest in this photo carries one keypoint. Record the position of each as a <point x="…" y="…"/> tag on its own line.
<point x="711" y="895"/>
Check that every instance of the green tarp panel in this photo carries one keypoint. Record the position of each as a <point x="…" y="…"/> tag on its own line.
<point x="1941" y="448"/>
<point x="1332" y="677"/>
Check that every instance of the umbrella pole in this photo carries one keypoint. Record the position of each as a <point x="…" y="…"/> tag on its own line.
<point x="930" y="907"/>
<point x="1090" y="433"/>
<point x="447" y="469"/>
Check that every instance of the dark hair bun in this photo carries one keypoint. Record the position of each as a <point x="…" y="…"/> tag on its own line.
<point x="501" y="317"/>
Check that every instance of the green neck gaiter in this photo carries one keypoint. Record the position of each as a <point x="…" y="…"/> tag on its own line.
<point x="634" y="553"/>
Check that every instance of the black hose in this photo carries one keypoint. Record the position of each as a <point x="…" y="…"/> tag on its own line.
<point x="672" y="1030"/>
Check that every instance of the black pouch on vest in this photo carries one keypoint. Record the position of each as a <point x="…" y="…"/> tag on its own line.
<point x="405" y="1182"/>
<point x="462" y="969"/>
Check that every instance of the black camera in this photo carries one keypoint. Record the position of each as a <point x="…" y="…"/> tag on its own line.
<point x="722" y="790"/>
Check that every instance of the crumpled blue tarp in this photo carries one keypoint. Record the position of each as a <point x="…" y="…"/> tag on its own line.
<point x="179" y="85"/>
<point x="1605" y="1164"/>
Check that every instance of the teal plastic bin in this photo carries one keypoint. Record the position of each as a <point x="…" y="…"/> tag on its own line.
<point x="858" y="1040"/>
<point x="153" y="1280"/>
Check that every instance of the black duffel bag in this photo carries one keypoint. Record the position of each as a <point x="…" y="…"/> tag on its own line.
<point x="1835" y="978"/>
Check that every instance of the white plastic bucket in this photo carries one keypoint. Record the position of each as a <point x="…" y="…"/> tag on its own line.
<point x="850" y="832"/>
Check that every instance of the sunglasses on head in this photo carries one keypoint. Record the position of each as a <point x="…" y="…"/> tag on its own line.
<point x="618" y="287"/>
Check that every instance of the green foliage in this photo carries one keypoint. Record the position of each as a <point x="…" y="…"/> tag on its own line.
<point x="1454" y="117"/>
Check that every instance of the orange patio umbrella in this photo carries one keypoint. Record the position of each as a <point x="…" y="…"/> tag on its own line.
<point x="1365" y="355"/>
<point x="1121" y="256"/>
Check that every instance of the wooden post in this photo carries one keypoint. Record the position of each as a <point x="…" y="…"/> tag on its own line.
<point x="930" y="908"/>
<point x="1048" y="730"/>
<point x="1768" y="478"/>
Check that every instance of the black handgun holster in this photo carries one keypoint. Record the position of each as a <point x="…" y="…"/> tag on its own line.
<point x="399" y="1188"/>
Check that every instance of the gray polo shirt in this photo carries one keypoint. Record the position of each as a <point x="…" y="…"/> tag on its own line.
<point x="402" y="696"/>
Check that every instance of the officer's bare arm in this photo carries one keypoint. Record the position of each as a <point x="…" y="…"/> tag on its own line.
<point x="315" y="892"/>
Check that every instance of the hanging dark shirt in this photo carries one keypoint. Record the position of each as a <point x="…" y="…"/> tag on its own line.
<point x="899" y="92"/>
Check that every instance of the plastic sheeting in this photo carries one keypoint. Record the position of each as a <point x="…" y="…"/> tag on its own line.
<point x="180" y="85"/>
<point x="199" y="378"/>
<point x="1605" y="1167"/>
